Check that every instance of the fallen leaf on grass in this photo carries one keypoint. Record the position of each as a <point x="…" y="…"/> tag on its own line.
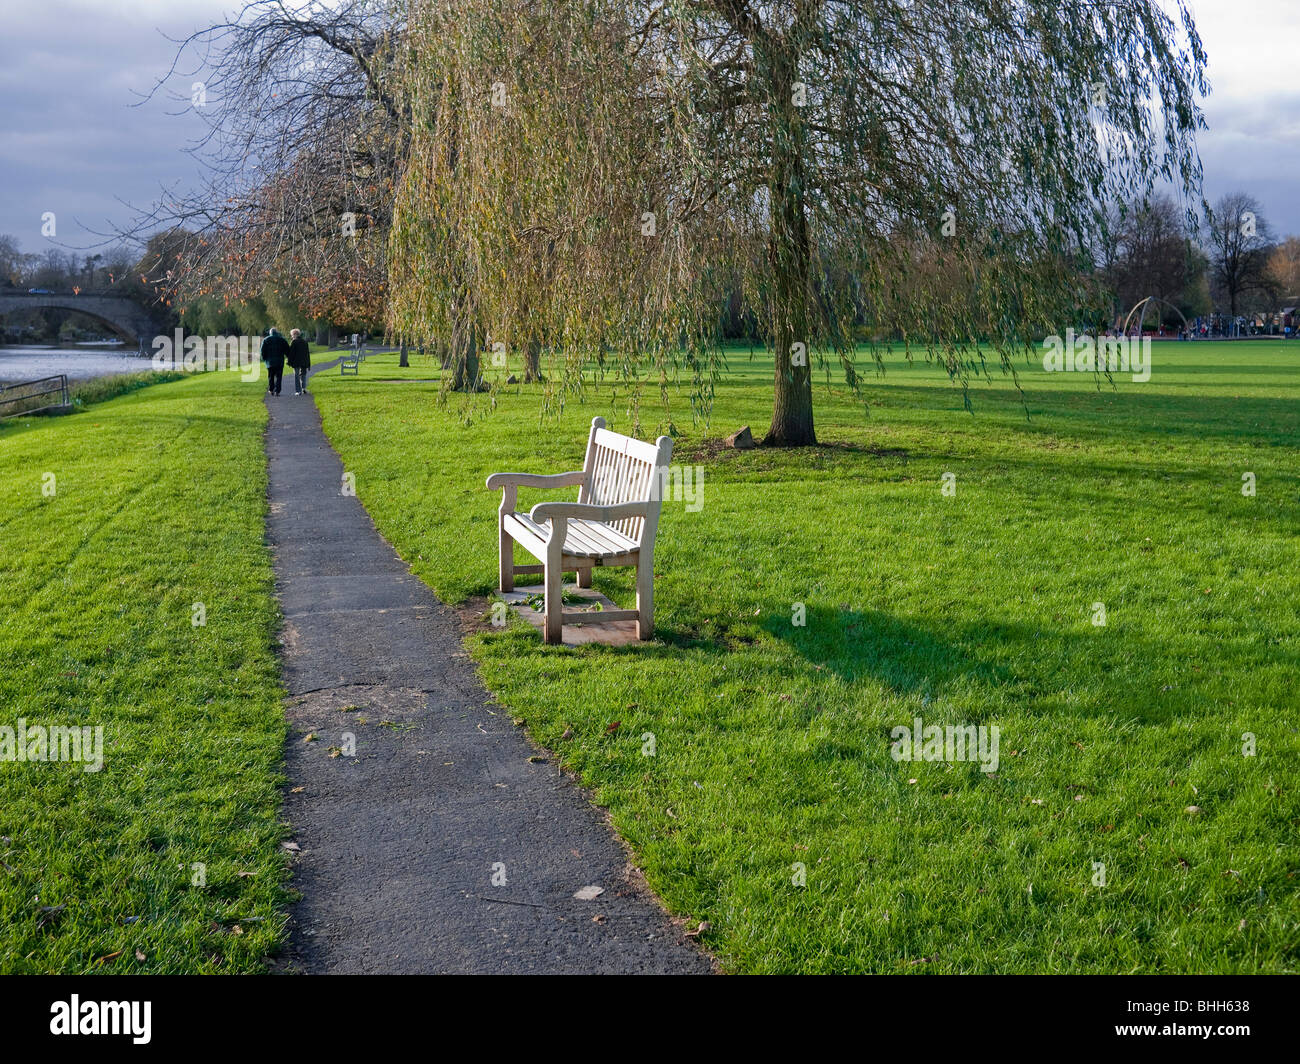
<point x="109" y="956"/>
<point x="140" y="956"/>
<point x="704" y="926"/>
<point x="613" y="727"/>
<point x="292" y="847"/>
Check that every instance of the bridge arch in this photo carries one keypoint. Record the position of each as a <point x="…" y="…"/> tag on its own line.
<point x="132" y="322"/>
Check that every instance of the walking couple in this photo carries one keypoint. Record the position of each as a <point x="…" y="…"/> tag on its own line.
<point x="276" y="350"/>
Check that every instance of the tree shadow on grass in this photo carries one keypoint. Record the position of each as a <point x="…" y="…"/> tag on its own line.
<point x="898" y="653"/>
<point x="1045" y="671"/>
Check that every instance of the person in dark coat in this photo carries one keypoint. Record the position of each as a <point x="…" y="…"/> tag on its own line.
<point x="300" y="360"/>
<point x="275" y="349"/>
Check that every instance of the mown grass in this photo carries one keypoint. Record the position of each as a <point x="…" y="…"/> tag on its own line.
<point x="772" y="740"/>
<point x="167" y="859"/>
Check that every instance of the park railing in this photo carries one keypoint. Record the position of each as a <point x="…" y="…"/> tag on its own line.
<point x="29" y="397"/>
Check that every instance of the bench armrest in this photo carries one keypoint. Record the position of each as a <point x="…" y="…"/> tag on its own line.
<point x="589" y="512"/>
<point x="536" y="480"/>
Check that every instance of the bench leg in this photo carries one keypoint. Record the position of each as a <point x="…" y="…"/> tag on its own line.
<point x="506" y="545"/>
<point x="553" y="623"/>
<point x="584" y="577"/>
<point x="507" y="562"/>
<point x="645" y="597"/>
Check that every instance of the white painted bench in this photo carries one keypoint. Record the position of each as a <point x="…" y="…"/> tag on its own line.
<point x="612" y="523"/>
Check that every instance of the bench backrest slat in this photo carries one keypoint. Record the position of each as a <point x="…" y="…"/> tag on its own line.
<point x="622" y="469"/>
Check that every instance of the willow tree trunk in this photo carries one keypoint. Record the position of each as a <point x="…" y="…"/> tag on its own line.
<point x="404" y="358"/>
<point x="532" y="361"/>
<point x="789" y="254"/>
<point x="464" y="357"/>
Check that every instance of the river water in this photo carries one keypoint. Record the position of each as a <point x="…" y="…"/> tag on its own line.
<point x="86" y="360"/>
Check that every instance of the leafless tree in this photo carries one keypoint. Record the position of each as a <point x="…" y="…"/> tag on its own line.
<point x="301" y="143"/>
<point x="1240" y="242"/>
<point x="1149" y="252"/>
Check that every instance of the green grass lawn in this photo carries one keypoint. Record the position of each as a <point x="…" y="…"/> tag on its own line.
<point x="773" y="739"/>
<point x="167" y="859"/>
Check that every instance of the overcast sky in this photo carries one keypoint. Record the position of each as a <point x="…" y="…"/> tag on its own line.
<point x="71" y="142"/>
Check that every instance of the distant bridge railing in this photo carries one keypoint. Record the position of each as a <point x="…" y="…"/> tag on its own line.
<point x="29" y="397"/>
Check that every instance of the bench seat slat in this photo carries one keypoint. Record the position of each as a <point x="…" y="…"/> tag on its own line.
<point x="606" y="539"/>
<point x="583" y="539"/>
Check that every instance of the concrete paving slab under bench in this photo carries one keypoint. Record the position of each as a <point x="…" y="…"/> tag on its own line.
<point x="607" y="633"/>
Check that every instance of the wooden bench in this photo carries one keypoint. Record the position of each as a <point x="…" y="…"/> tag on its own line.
<point x="350" y="363"/>
<point x="612" y="523"/>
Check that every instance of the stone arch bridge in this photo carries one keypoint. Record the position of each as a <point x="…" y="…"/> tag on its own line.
<point x="132" y="322"/>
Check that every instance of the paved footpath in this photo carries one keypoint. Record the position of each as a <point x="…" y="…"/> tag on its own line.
<point x="399" y="841"/>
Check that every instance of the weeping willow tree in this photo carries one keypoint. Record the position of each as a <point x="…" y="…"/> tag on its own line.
<point x="530" y="212"/>
<point x="586" y="178"/>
